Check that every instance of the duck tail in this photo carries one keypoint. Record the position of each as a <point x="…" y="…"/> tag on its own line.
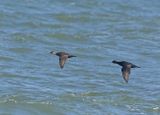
<point x="70" y="56"/>
<point x="136" y="66"/>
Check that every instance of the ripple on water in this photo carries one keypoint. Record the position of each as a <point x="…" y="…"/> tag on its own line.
<point x="6" y="58"/>
<point x="22" y="37"/>
<point x="30" y="108"/>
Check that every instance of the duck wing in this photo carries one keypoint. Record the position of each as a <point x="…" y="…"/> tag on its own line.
<point x="62" y="60"/>
<point x="125" y="72"/>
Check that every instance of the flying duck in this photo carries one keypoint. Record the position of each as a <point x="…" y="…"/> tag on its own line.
<point x="126" y="68"/>
<point x="63" y="56"/>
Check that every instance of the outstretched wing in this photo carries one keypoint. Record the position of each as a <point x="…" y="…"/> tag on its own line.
<point x="62" y="60"/>
<point x="125" y="72"/>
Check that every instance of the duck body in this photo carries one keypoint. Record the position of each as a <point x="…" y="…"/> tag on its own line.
<point x="125" y="63"/>
<point x="60" y="54"/>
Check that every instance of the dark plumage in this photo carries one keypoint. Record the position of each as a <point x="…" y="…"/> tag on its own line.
<point x="63" y="56"/>
<point x="126" y="68"/>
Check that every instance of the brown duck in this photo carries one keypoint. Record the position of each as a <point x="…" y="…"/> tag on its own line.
<point x="63" y="56"/>
<point x="126" y="68"/>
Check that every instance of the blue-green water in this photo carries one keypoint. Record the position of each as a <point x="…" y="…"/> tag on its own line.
<point x="97" y="32"/>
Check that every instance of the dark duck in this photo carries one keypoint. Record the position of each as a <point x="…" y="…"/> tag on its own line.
<point x="126" y="68"/>
<point x="63" y="56"/>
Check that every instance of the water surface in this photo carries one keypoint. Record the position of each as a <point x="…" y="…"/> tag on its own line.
<point x="97" y="32"/>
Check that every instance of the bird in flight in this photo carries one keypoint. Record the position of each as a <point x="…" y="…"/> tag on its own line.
<point x="63" y="56"/>
<point x="126" y="68"/>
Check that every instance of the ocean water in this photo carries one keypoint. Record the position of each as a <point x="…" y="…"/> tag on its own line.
<point x="97" y="32"/>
